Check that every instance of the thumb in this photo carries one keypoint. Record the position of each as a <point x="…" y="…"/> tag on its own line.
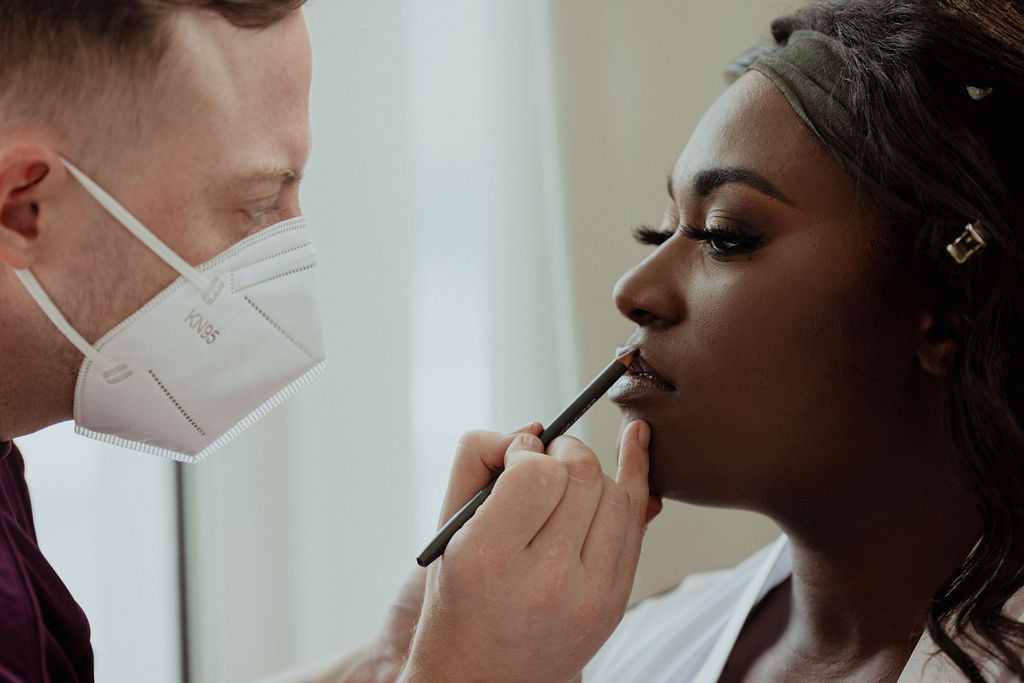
<point x="479" y="456"/>
<point x="524" y="442"/>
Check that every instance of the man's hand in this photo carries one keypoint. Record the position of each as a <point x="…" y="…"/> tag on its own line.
<point x="537" y="580"/>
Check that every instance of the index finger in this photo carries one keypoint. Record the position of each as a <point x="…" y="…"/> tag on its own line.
<point x="478" y="457"/>
<point x="634" y="467"/>
<point x="613" y="542"/>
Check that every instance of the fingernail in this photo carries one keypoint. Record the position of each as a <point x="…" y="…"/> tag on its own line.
<point x="643" y="434"/>
<point x="530" y="427"/>
<point x="528" y="441"/>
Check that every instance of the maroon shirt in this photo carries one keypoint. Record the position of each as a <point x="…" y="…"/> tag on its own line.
<point x="44" y="635"/>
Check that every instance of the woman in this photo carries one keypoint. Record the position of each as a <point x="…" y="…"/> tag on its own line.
<point x="830" y="331"/>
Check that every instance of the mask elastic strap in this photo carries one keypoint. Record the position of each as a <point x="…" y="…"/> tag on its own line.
<point x="58" y="319"/>
<point x="135" y="227"/>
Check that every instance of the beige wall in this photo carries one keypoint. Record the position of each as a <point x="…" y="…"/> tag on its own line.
<point x="633" y="79"/>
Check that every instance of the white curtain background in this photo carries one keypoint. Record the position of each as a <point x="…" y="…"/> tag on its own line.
<point x="477" y="167"/>
<point x="491" y="341"/>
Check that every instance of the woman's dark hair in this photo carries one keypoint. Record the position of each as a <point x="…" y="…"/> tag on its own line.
<point x="935" y="90"/>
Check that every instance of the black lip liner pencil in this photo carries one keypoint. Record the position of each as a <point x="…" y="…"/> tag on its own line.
<point x="588" y="397"/>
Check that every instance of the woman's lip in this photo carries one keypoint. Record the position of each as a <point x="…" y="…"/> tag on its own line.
<point x="641" y="368"/>
<point x="640" y="381"/>
<point x="633" y="387"/>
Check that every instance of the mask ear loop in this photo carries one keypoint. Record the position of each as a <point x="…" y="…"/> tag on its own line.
<point x="135" y="227"/>
<point x="57" y="318"/>
<point x="116" y="372"/>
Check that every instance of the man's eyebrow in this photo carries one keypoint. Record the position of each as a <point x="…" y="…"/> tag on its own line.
<point x="708" y="180"/>
<point x="283" y="174"/>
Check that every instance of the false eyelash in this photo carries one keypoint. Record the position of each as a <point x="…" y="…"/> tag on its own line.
<point x="647" y="234"/>
<point x="712" y="238"/>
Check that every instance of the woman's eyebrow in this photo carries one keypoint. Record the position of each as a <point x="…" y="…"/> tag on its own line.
<point x="706" y="181"/>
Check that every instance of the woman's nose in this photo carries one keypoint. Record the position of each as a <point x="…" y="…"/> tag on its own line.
<point x="648" y="294"/>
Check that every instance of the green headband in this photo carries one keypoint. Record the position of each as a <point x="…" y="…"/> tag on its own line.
<point x="809" y="72"/>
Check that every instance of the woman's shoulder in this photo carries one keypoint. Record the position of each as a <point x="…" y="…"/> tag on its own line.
<point x="679" y="627"/>
<point x="708" y="592"/>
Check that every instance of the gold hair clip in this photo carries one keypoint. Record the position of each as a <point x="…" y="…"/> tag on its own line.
<point x="967" y="244"/>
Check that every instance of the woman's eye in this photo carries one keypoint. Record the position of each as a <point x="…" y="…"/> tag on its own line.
<point x="719" y="242"/>
<point x="722" y="242"/>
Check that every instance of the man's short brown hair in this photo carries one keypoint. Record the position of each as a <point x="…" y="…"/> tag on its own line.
<point x="244" y="13"/>
<point x="59" y="59"/>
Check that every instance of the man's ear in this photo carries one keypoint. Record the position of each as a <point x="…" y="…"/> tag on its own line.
<point x="940" y="334"/>
<point x="29" y="176"/>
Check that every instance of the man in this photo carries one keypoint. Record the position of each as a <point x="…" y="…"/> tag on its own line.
<point x="193" y="116"/>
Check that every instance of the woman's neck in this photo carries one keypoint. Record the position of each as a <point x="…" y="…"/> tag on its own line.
<point x="869" y="551"/>
<point x="863" y="577"/>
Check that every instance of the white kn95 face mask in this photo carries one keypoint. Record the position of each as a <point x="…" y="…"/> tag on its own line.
<point x="209" y="355"/>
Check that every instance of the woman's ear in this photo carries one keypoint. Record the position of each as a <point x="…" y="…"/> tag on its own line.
<point x="940" y="334"/>
<point x="29" y="176"/>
